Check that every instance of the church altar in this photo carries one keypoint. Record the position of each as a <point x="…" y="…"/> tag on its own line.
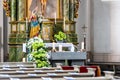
<point x="68" y="58"/>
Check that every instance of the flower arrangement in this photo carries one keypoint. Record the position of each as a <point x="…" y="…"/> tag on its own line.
<point x="38" y="52"/>
<point x="60" y="36"/>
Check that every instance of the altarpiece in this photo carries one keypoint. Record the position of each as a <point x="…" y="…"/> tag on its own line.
<point x="54" y="14"/>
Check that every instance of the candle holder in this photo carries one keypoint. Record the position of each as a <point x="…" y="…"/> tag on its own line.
<point x="84" y="35"/>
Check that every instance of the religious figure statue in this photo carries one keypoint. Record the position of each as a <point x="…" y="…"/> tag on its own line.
<point x="35" y="27"/>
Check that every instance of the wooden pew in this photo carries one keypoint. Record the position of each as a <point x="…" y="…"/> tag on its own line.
<point x="16" y="65"/>
<point x="67" y="78"/>
<point x="47" y="73"/>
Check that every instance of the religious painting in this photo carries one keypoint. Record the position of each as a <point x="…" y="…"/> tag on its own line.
<point x="46" y="8"/>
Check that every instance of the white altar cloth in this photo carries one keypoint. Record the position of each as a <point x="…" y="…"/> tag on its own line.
<point x="69" y="45"/>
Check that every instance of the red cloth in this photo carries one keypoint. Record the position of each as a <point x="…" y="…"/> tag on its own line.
<point x="83" y="69"/>
<point x="67" y="68"/>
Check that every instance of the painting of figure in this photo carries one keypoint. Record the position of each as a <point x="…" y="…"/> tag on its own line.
<point x="46" y="8"/>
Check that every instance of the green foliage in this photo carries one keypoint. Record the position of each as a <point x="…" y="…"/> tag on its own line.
<point x="60" y="36"/>
<point x="38" y="52"/>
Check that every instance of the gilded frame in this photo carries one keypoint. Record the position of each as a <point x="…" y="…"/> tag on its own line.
<point x="58" y="4"/>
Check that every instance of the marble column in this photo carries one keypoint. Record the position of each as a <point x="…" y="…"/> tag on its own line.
<point x="13" y="7"/>
<point x="66" y="9"/>
<point x="21" y="10"/>
<point x="71" y="9"/>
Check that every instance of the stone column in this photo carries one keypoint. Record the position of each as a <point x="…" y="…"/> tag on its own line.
<point x="87" y="24"/>
<point x="115" y="31"/>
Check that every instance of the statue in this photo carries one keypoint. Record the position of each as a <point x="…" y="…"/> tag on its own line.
<point x="35" y="27"/>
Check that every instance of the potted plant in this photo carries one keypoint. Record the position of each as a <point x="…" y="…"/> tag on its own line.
<point x="60" y="36"/>
<point x="38" y="52"/>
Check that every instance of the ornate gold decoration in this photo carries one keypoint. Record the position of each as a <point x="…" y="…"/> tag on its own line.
<point x="6" y="7"/>
<point x="77" y="3"/>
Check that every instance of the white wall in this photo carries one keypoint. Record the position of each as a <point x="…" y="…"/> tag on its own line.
<point x="1" y="31"/>
<point x="101" y="27"/>
<point x="106" y="29"/>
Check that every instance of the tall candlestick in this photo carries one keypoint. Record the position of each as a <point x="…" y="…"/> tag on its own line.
<point x="55" y="17"/>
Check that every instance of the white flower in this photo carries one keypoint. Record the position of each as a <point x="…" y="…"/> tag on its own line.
<point x="32" y="40"/>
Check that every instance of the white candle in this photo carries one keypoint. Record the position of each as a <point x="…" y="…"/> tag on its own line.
<point x="26" y="23"/>
<point x="24" y="47"/>
<point x="55" y="17"/>
<point x="23" y="59"/>
<point x="64" y="22"/>
<point x="53" y="45"/>
<point x="82" y="45"/>
<point x="60" y="47"/>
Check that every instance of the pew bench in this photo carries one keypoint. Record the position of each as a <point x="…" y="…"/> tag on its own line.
<point x="107" y="66"/>
<point x="68" y="78"/>
<point x="16" y="65"/>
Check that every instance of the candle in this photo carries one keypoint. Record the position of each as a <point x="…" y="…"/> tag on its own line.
<point x="82" y="45"/>
<point x="24" y="47"/>
<point x="60" y="47"/>
<point x="55" y="17"/>
<point x="26" y="23"/>
<point x="53" y="45"/>
<point x="64" y="22"/>
<point x="23" y="59"/>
